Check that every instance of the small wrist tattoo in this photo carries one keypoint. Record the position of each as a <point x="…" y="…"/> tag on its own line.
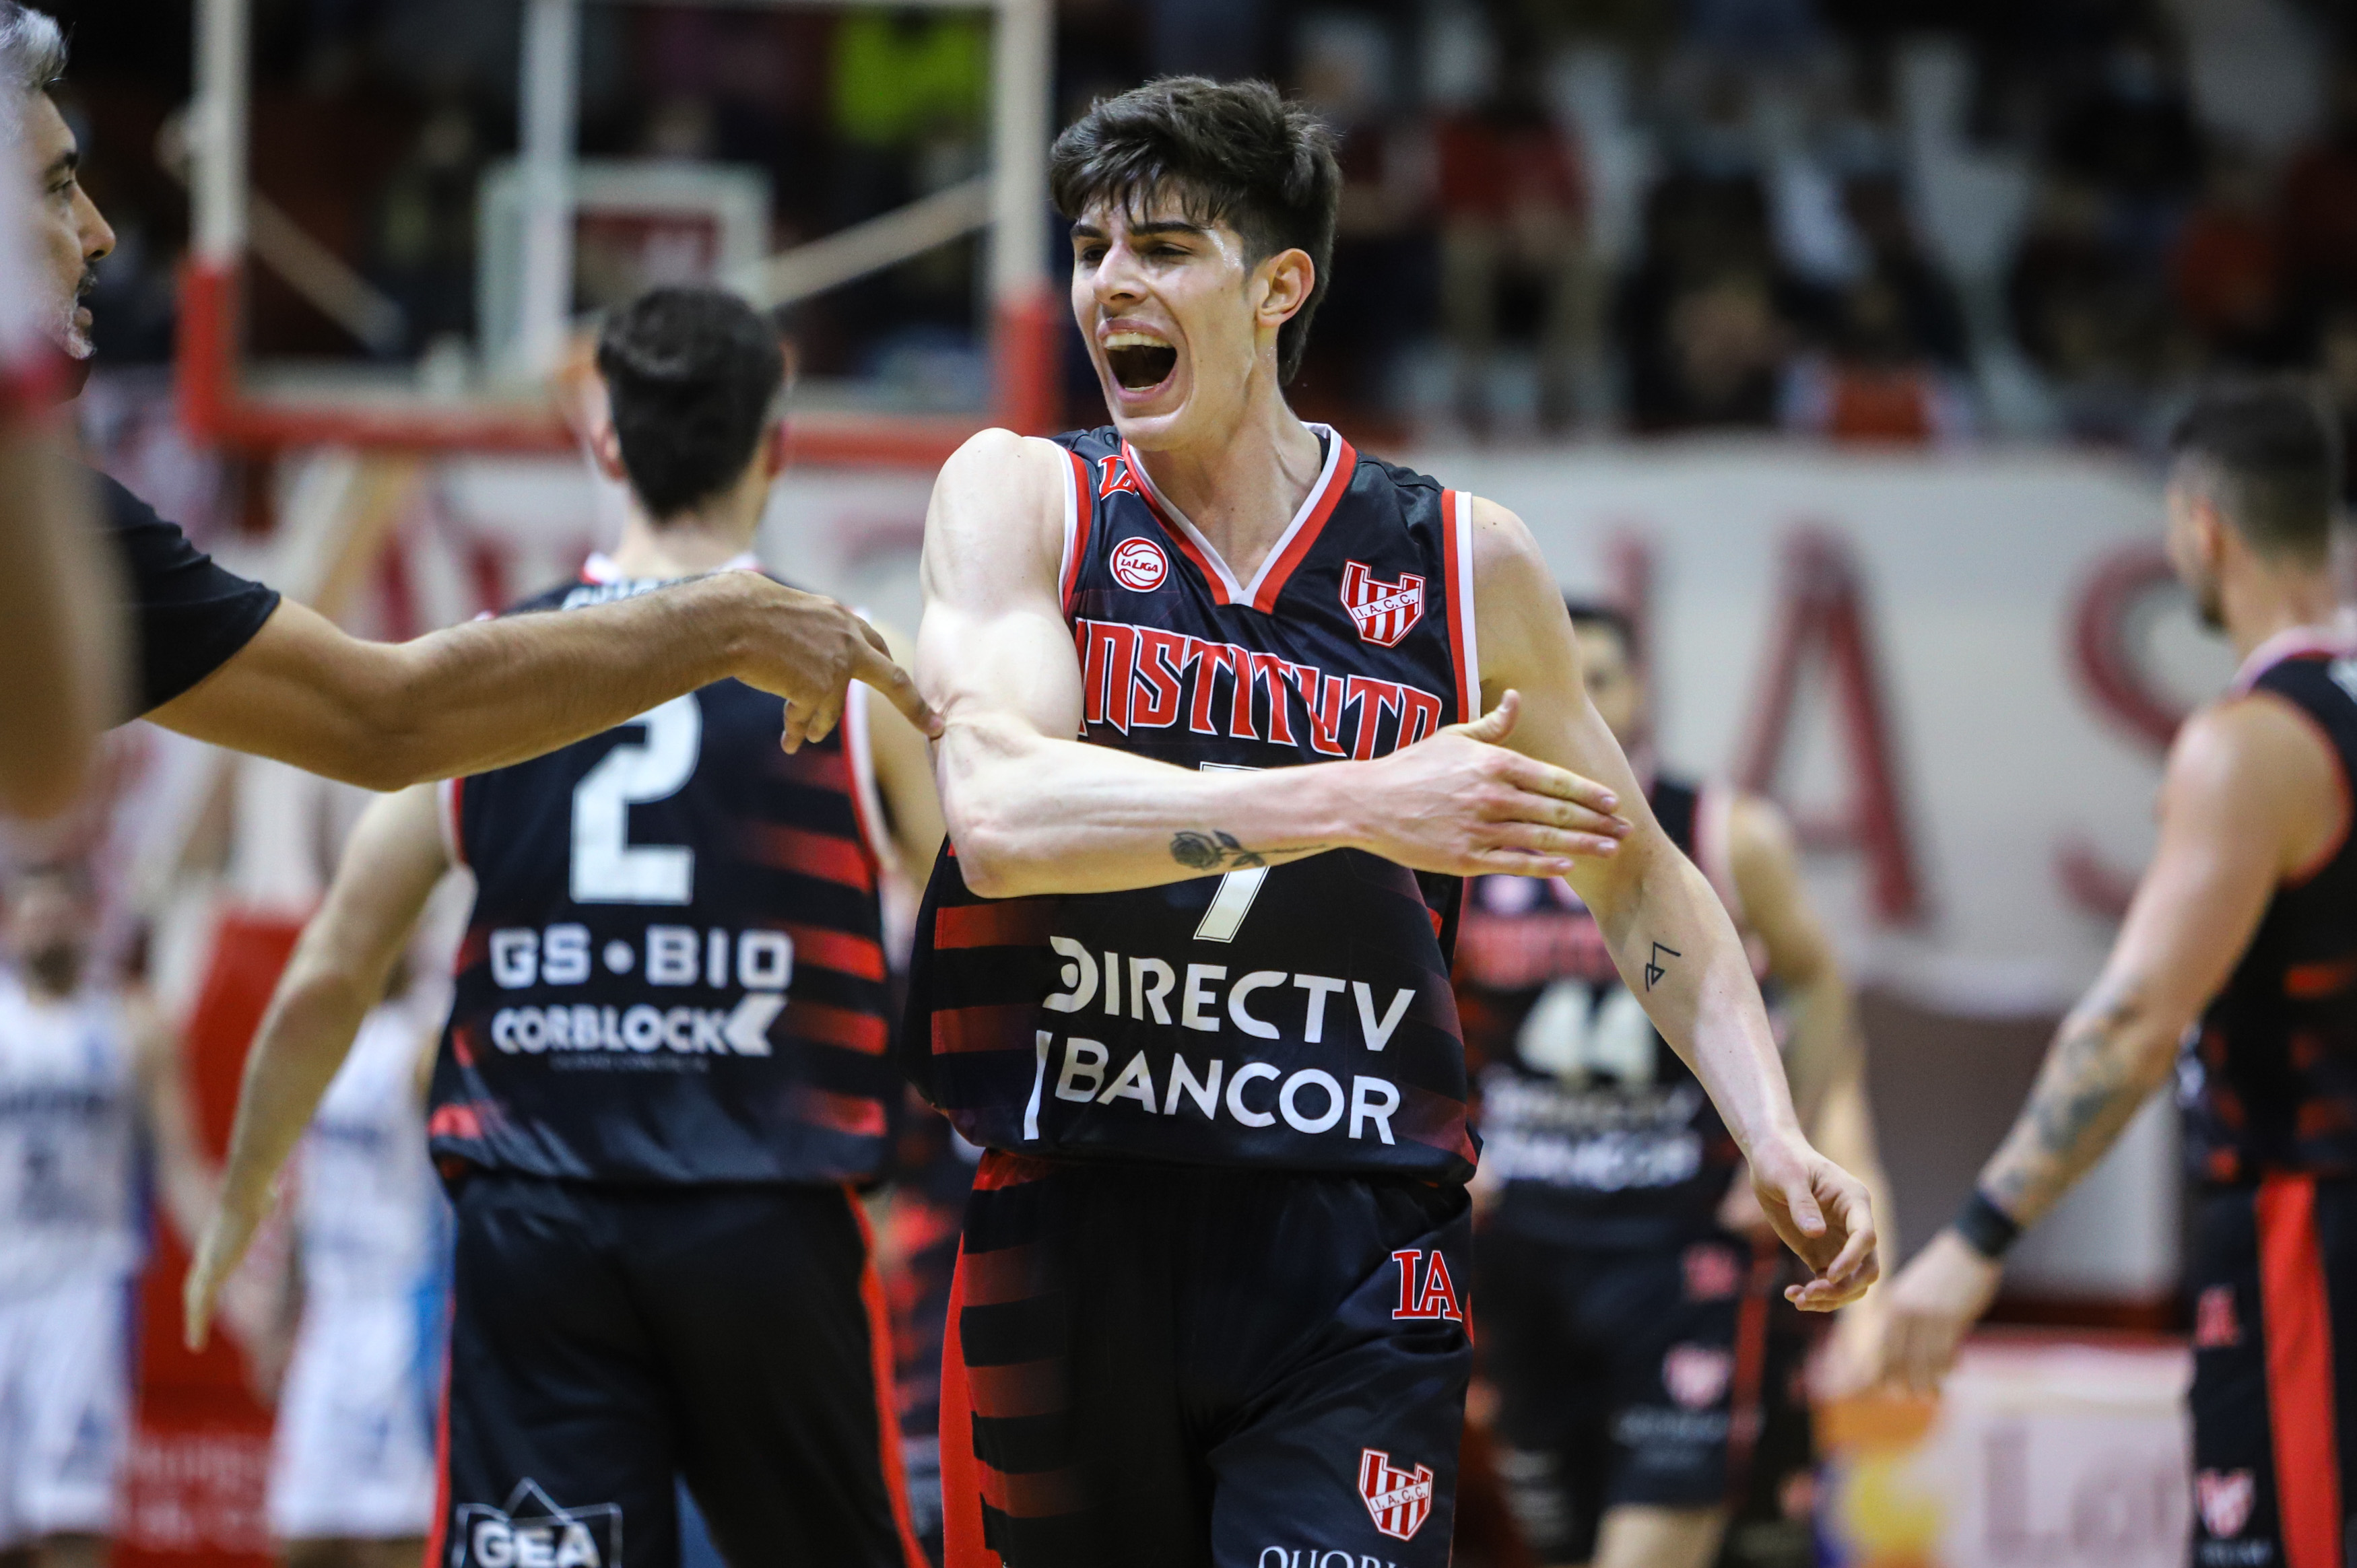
<point x="1654" y="969"/>
<point x="1211" y="851"/>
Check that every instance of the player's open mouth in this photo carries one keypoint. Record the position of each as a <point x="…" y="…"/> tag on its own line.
<point x="1139" y="360"/>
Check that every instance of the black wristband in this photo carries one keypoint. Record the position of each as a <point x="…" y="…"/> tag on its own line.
<point x="1986" y="1229"/>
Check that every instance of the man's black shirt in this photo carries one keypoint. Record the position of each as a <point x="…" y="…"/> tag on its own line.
<point x="188" y="616"/>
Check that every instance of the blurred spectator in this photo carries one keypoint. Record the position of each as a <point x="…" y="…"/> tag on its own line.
<point x="2085" y="315"/>
<point x="2319" y="202"/>
<point x="1726" y="350"/>
<point x="2226" y="270"/>
<point x="1513" y="245"/>
<point x="1876" y="205"/>
<point x="1382" y="284"/>
<point x="1704" y="321"/>
<point x="425" y="228"/>
<point x="2132" y="133"/>
<point x="1879" y="382"/>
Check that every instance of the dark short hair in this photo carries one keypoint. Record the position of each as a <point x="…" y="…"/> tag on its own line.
<point x="2271" y="457"/>
<point x="1227" y="152"/>
<point x="693" y="375"/>
<point x="1588" y="613"/>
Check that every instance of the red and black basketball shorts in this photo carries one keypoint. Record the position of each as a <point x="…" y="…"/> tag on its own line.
<point x="609" y="1343"/>
<point x="1625" y="1375"/>
<point x="2274" y="1283"/>
<point x="1190" y="1367"/>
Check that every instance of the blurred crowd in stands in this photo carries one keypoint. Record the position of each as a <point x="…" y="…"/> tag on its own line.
<point x="1928" y="220"/>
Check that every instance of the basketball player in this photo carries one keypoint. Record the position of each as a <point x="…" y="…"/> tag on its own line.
<point x="352" y="1464"/>
<point x="1623" y="1322"/>
<point x="1194" y="997"/>
<point x="86" y="1080"/>
<point x="664" y="1061"/>
<point x="2241" y="944"/>
<point x="226" y="661"/>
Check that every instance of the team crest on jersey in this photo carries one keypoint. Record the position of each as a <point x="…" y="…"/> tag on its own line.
<point x="531" y="1531"/>
<point x="1697" y="1375"/>
<point x="2225" y="1497"/>
<point x="1398" y="1501"/>
<point x="1139" y="564"/>
<point x="1384" y="612"/>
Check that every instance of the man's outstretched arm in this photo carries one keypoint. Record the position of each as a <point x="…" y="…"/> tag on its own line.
<point x="470" y="698"/>
<point x="1669" y="935"/>
<point x="338" y="972"/>
<point x="1033" y="811"/>
<point x="2250" y="793"/>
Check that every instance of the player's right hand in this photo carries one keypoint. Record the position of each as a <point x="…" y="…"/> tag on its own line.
<point x="808" y="649"/>
<point x="1459" y="802"/>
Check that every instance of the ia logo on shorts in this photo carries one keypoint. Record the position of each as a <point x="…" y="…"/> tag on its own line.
<point x="2225" y="1497"/>
<point x="1139" y="564"/>
<point x="531" y="1531"/>
<point x="1398" y="1501"/>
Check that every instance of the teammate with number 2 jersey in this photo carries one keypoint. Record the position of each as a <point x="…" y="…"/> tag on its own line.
<point x="664" y="1064"/>
<point x="1229" y="708"/>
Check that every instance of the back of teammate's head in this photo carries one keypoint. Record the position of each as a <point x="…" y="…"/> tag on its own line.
<point x="693" y="376"/>
<point x="2267" y="456"/>
<point x="1225" y="151"/>
<point x="1595" y="615"/>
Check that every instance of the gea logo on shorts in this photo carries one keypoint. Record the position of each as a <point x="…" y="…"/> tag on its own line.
<point x="1139" y="563"/>
<point x="1697" y="1375"/>
<point x="1398" y="1501"/>
<point x="2225" y="1497"/>
<point x="531" y="1531"/>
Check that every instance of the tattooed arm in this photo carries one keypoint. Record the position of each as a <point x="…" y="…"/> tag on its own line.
<point x="2251" y="794"/>
<point x="1033" y="811"/>
<point x="1670" y="936"/>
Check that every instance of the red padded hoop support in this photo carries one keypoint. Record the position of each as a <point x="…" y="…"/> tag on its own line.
<point x="216" y="407"/>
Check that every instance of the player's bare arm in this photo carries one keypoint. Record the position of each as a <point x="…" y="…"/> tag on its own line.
<point x="2251" y="793"/>
<point x="1032" y="810"/>
<point x="59" y="625"/>
<point x="1670" y="936"/>
<point x="339" y="970"/>
<point x="904" y="777"/>
<point x="479" y="696"/>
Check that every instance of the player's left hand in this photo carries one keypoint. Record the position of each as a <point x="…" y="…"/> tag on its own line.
<point x="1823" y="1213"/>
<point x="1933" y="1301"/>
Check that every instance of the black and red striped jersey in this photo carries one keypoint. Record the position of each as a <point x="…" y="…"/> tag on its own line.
<point x="2268" y="1078"/>
<point x="673" y="971"/>
<point x="1600" y="1134"/>
<point x="1296" y="1016"/>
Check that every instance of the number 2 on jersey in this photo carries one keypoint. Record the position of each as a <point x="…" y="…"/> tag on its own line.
<point x="608" y="868"/>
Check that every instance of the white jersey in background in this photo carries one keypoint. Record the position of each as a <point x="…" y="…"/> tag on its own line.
<point x="70" y="1241"/>
<point x="354" y="1449"/>
<point x="68" y="1140"/>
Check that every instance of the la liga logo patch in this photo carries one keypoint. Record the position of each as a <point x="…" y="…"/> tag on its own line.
<point x="1139" y="564"/>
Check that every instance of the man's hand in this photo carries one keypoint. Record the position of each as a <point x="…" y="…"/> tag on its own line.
<point x="1459" y="802"/>
<point x="218" y="1253"/>
<point x="1822" y="1214"/>
<point x="807" y="649"/>
<point x="1933" y="1301"/>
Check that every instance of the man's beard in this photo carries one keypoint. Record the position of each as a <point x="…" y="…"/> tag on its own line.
<point x="66" y="331"/>
<point x="54" y="967"/>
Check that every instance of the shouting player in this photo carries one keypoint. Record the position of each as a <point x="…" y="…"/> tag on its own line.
<point x="2241" y="943"/>
<point x="227" y="660"/>
<point x="666" y="1057"/>
<point x="1193" y="995"/>
<point x="1622" y="1321"/>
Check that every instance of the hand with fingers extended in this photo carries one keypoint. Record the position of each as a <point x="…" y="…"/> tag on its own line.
<point x="1822" y="1212"/>
<point x="1934" y="1301"/>
<point x="1459" y="802"/>
<point x="808" y="649"/>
